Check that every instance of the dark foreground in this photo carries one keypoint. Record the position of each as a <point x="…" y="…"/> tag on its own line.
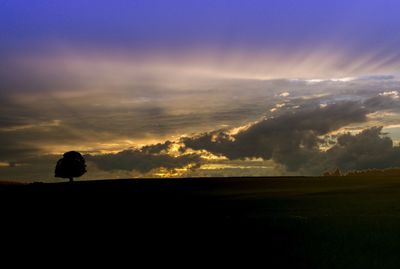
<point x="282" y="222"/>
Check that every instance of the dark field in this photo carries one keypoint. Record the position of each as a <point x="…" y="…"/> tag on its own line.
<point x="288" y="222"/>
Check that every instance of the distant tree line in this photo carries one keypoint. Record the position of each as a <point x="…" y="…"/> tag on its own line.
<point x="364" y="173"/>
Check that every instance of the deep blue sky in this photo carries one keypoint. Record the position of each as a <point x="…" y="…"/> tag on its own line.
<point x="357" y="25"/>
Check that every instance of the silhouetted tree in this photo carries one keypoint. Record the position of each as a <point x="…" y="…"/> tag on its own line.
<point x="326" y="174"/>
<point x="390" y="172"/>
<point x="71" y="165"/>
<point x="336" y="173"/>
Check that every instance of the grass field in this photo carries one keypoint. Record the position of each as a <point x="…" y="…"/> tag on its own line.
<point x="300" y="222"/>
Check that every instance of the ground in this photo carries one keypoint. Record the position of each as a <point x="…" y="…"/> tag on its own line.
<point x="332" y="222"/>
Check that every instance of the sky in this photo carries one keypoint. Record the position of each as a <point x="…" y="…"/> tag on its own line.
<point x="153" y="88"/>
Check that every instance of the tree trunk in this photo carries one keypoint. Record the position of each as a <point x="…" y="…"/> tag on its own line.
<point x="71" y="179"/>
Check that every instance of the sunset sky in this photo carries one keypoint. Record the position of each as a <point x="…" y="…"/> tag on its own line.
<point x="156" y="88"/>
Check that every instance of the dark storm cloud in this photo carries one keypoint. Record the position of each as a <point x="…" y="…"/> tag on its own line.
<point x="292" y="138"/>
<point x="366" y="150"/>
<point x="289" y="138"/>
<point x="141" y="161"/>
<point x="382" y="102"/>
<point x="156" y="148"/>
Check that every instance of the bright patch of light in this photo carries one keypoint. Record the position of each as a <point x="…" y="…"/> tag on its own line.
<point x="392" y="94"/>
<point x="284" y="94"/>
<point x="345" y="79"/>
<point x="219" y="166"/>
<point x="323" y="105"/>
<point x="177" y="172"/>
<point x="4" y="164"/>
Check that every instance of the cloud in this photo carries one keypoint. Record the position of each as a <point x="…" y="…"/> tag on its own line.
<point x="31" y="167"/>
<point x="141" y="161"/>
<point x="289" y="139"/>
<point x="156" y="148"/>
<point x="294" y="138"/>
<point x="284" y="94"/>
<point x="377" y="77"/>
<point x="392" y="94"/>
<point x="37" y="122"/>
<point x="366" y="150"/>
<point x="289" y="142"/>
<point x="382" y="102"/>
